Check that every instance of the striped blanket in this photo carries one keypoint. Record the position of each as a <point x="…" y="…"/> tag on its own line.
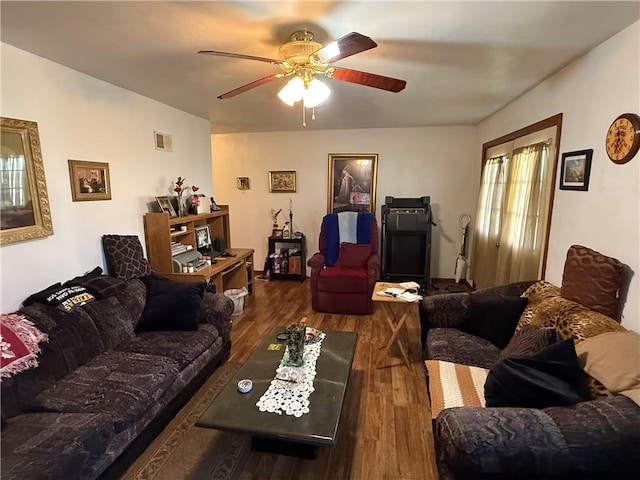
<point x="454" y="385"/>
<point x="351" y="227"/>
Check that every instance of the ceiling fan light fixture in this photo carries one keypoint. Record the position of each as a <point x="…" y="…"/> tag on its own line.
<point x="315" y="93"/>
<point x="292" y="92"/>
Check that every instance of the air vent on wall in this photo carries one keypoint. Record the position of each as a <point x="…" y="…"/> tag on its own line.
<point x="163" y="141"/>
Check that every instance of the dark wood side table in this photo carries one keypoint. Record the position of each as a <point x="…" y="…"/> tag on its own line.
<point x="297" y="264"/>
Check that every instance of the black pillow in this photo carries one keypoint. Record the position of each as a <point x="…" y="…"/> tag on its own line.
<point x="550" y="378"/>
<point x="170" y="305"/>
<point x="493" y="318"/>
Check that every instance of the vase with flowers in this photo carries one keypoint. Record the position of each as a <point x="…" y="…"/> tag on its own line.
<point x="179" y="189"/>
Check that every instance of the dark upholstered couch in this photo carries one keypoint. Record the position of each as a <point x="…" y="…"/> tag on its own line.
<point x="594" y="439"/>
<point x="100" y="389"/>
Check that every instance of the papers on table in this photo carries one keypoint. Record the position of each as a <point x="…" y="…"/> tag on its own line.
<point x="409" y="285"/>
<point x="400" y="293"/>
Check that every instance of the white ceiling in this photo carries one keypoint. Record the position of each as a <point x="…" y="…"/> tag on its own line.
<point x="462" y="61"/>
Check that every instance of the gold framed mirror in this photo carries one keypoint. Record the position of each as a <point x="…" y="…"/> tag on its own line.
<point x="25" y="213"/>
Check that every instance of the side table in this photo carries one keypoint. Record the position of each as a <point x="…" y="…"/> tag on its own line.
<point x="297" y="264"/>
<point x="395" y="312"/>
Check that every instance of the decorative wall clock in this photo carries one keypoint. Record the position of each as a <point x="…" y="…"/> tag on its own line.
<point x="623" y="138"/>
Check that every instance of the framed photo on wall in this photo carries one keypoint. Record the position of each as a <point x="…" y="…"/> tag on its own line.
<point x="25" y="212"/>
<point x="352" y="182"/>
<point x="575" y="170"/>
<point x="89" y="180"/>
<point x="242" y="183"/>
<point x="281" y="181"/>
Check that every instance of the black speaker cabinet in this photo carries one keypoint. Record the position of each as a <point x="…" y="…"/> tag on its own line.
<point x="406" y="240"/>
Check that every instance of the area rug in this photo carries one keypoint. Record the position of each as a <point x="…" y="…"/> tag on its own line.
<point x="184" y="451"/>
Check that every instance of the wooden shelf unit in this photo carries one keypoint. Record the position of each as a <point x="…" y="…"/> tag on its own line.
<point x="158" y="235"/>
<point x="276" y="244"/>
<point x="225" y="274"/>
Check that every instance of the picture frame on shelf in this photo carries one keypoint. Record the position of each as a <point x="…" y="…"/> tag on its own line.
<point x="89" y="180"/>
<point x="575" y="170"/>
<point x="276" y="233"/>
<point x="352" y="182"/>
<point x="165" y="206"/>
<point x="282" y="181"/>
<point x="26" y="216"/>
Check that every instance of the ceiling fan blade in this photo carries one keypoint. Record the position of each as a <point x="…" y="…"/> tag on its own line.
<point x="367" y="79"/>
<point x="239" y="55"/>
<point x="251" y="85"/>
<point x="345" y="46"/>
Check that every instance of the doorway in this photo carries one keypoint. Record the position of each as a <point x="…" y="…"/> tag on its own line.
<point x="515" y="204"/>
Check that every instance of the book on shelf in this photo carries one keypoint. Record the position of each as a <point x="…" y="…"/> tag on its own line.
<point x="177" y="248"/>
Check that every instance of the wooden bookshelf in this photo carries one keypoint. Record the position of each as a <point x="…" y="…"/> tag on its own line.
<point x="228" y="272"/>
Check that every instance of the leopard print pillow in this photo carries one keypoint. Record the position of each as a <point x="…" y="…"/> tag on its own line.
<point x="536" y="293"/>
<point x="582" y="322"/>
<point x="596" y="389"/>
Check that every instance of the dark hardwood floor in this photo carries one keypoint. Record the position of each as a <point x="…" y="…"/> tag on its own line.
<point x="385" y="429"/>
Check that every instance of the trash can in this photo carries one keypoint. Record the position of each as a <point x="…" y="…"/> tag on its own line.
<point x="237" y="295"/>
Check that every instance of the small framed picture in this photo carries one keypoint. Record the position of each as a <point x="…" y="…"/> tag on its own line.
<point x="575" y="170"/>
<point x="276" y="233"/>
<point x="243" y="183"/>
<point x="282" y="181"/>
<point x="89" y="180"/>
<point x="165" y="206"/>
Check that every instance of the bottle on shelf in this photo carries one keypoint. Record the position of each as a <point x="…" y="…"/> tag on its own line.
<point x="286" y="230"/>
<point x="284" y="268"/>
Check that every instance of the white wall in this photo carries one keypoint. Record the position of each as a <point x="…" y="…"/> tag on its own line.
<point x="412" y="162"/>
<point x="591" y="93"/>
<point x="82" y="118"/>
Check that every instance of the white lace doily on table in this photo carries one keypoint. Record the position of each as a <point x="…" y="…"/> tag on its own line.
<point x="291" y="386"/>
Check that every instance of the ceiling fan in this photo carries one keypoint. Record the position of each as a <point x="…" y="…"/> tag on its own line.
<point x="303" y="59"/>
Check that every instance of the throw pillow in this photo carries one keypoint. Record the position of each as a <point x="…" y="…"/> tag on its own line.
<point x="124" y="256"/>
<point x="19" y="349"/>
<point x="64" y="298"/>
<point x="353" y="255"/>
<point x="593" y="280"/>
<point x="454" y="385"/>
<point x="552" y="377"/>
<point x="612" y="359"/>
<point x="529" y="340"/>
<point x="170" y="305"/>
<point x="493" y="318"/>
<point x="100" y="285"/>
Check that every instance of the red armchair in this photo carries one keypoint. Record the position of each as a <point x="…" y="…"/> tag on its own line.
<point x="345" y="284"/>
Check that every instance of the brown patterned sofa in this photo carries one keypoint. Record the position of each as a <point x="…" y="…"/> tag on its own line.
<point x="598" y="437"/>
<point x="103" y="389"/>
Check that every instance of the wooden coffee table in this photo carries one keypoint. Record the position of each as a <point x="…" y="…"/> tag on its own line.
<point x="285" y="434"/>
<point x="395" y="312"/>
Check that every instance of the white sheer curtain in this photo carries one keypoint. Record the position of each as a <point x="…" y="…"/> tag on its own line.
<point x="512" y="216"/>
<point x="526" y="206"/>
<point x="489" y="220"/>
